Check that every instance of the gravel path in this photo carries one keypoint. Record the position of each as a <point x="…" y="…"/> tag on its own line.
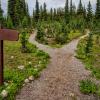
<point x="60" y="80"/>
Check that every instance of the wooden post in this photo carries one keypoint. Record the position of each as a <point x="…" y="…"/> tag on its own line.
<point x="1" y="62"/>
<point x="5" y="34"/>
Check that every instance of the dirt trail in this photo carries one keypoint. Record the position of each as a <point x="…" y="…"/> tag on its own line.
<point x="60" y="80"/>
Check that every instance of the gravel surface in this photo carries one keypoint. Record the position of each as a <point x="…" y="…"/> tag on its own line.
<point x="60" y="80"/>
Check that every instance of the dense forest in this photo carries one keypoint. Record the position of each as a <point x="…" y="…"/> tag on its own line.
<point x="55" y="28"/>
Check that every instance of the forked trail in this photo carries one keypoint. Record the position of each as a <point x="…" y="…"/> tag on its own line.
<point x="60" y="80"/>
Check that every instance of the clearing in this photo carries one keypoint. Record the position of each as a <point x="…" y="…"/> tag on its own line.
<point x="60" y="80"/>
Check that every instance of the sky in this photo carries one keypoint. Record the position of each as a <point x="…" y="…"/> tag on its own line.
<point x="50" y="3"/>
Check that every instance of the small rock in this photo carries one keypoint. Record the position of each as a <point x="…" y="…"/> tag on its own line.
<point x="21" y="67"/>
<point x="4" y="93"/>
<point x="31" y="78"/>
<point x="23" y="85"/>
<point x="26" y="81"/>
<point x="5" y="83"/>
<point x="12" y="57"/>
<point x="71" y="94"/>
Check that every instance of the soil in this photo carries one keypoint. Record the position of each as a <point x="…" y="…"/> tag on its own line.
<point x="60" y="80"/>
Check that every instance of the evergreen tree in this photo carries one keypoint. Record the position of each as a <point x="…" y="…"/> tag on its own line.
<point x="89" y="44"/>
<point x="97" y="14"/>
<point x="11" y="10"/>
<point x="71" y="8"/>
<point x="33" y="19"/>
<point x="28" y="15"/>
<point x="41" y="12"/>
<point x="84" y="12"/>
<point x="55" y="13"/>
<point x="23" y="8"/>
<point x="37" y="11"/>
<point x="80" y="8"/>
<point x="1" y="15"/>
<point x="17" y="13"/>
<point x="45" y="12"/>
<point x="51" y="14"/>
<point x="67" y="12"/>
<point x="89" y="13"/>
<point x="9" y="23"/>
<point x="25" y="22"/>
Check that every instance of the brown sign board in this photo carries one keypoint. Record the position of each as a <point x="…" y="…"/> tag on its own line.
<point x="7" y="34"/>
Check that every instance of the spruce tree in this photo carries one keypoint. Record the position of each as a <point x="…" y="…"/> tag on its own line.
<point x="17" y="13"/>
<point x="37" y="11"/>
<point x="41" y="12"/>
<point x="28" y="15"/>
<point x="80" y="8"/>
<point x="89" y="13"/>
<point x="71" y="8"/>
<point x="84" y="12"/>
<point x="97" y="14"/>
<point x="67" y="12"/>
<point x="11" y="10"/>
<point x="1" y="15"/>
<point x="45" y="12"/>
<point x="54" y="14"/>
<point x="89" y="44"/>
<point x="9" y="23"/>
<point x="51" y="14"/>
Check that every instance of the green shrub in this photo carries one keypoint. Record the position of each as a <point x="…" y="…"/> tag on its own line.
<point x="87" y="86"/>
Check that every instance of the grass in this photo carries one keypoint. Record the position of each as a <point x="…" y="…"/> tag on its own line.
<point x="72" y="35"/>
<point x="92" y="63"/>
<point x="87" y="86"/>
<point x="15" y="77"/>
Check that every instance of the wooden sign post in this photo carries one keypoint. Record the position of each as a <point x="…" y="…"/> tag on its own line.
<point x="5" y="34"/>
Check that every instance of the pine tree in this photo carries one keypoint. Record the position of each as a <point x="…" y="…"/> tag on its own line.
<point x="97" y="14"/>
<point x="17" y="13"/>
<point x="67" y="12"/>
<point x="84" y="12"/>
<point x="1" y="15"/>
<point x="80" y="8"/>
<point x="89" y="12"/>
<point x="41" y="12"/>
<point x="71" y="8"/>
<point x="23" y="8"/>
<point x="25" y="22"/>
<point x="51" y="14"/>
<point x="89" y="44"/>
<point x="28" y="15"/>
<point x="11" y="10"/>
<point x="54" y="14"/>
<point x="9" y="23"/>
<point x="37" y="11"/>
<point x="45" y="12"/>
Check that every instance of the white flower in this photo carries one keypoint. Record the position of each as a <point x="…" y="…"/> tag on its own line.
<point x="31" y="78"/>
<point x="36" y="66"/>
<point x="26" y="81"/>
<point x="12" y="57"/>
<point x="30" y="62"/>
<point x="35" y="69"/>
<point x="4" y="93"/>
<point x="5" y="83"/>
<point x="21" y="67"/>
